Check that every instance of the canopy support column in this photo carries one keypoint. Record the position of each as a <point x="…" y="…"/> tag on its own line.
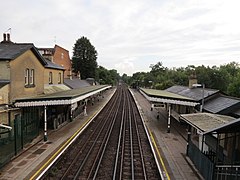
<point x="169" y="118"/>
<point x="188" y="137"/>
<point x="45" y="123"/>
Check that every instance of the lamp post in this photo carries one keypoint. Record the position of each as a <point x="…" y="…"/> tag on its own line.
<point x="203" y="88"/>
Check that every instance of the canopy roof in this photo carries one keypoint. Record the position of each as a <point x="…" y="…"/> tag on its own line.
<point x="62" y="97"/>
<point x="206" y="122"/>
<point x="231" y="127"/>
<point x="154" y="95"/>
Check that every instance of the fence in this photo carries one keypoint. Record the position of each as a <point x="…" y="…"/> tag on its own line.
<point x="202" y="162"/>
<point x="229" y="172"/>
<point x="24" y="129"/>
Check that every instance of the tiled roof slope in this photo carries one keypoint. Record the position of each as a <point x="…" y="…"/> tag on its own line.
<point x="220" y="103"/>
<point x="9" y="51"/>
<point x="194" y="93"/>
<point x="76" y="83"/>
<point x="52" y="65"/>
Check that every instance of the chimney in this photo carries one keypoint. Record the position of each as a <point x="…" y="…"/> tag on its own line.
<point x="192" y="80"/>
<point x="8" y="37"/>
<point x="4" y="37"/>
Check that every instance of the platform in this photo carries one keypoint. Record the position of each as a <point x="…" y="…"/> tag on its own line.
<point x="171" y="146"/>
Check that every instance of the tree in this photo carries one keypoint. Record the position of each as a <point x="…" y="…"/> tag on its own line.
<point x="104" y="76"/>
<point x="157" y="68"/>
<point x="234" y="87"/>
<point x="84" y="58"/>
<point x="125" y="78"/>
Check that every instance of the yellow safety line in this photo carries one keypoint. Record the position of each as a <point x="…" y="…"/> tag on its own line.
<point x="63" y="146"/>
<point x="159" y="155"/>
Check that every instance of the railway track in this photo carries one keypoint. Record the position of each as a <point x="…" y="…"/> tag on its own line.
<point x="113" y="146"/>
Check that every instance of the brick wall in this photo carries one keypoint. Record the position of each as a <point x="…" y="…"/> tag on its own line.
<point x="62" y="58"/>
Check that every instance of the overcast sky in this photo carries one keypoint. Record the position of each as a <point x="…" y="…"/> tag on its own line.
<point x="130" y="35"/>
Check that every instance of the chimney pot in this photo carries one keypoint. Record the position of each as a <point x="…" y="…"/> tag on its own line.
<point x="8" y="37"/>
<point x="4" y="37"/>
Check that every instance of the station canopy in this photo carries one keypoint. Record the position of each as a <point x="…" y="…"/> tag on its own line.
<point x="161" y="96"/>
<point x="230" y="127"/>
<point x="61" y="98"/>
<point x="207" y="122"/>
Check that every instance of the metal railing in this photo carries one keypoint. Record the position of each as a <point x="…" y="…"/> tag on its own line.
<point x="226" y="172"/>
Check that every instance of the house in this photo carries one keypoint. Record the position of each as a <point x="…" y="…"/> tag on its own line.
<point x="60" y="56"/>
<point x="213" y="132"/>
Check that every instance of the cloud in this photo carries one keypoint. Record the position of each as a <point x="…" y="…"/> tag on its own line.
<point x="125" y="66"/>
<point x="131" y="35"/>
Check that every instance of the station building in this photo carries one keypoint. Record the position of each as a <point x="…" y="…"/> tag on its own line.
<point x="33" y="96"/>
<point x="211" y="122"/>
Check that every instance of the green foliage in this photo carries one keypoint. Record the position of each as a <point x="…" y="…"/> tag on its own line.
<point x="234" y="86"/>
<point x="84" y="58"/>
<point x="104" y="76"/>
<point x="125" y="78"/>
<point x="225" y="78"/>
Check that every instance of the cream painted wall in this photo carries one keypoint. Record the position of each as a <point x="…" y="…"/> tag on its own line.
<point x="4" y="94"/>
<point x="55" y="75"/>
<point x="17" y="74"/>
<point x="4" y="70"/>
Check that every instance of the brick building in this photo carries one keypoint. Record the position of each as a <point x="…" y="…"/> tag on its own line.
<point x="59" y="56"/>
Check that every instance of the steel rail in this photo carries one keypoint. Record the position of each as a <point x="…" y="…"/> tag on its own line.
<point x="118" y="147"/>
<point x="131" y="136"/>
<point x="110" y="108"/>
<point x="139" y="142"/>
<point x="123" y="144"/>
<point x="119" y="141"/>
<point x="96" y="139"/>
<point x="105" y="146"/>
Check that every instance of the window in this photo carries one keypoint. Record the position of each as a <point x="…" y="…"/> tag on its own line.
<point x="26" y="76"/>
<point x="59" y="78"/>
<point x="29" y="78"/>
<point x="50" y="78"/>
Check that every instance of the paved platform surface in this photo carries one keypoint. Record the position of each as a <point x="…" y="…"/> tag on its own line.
<point x="172" y="146"/>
